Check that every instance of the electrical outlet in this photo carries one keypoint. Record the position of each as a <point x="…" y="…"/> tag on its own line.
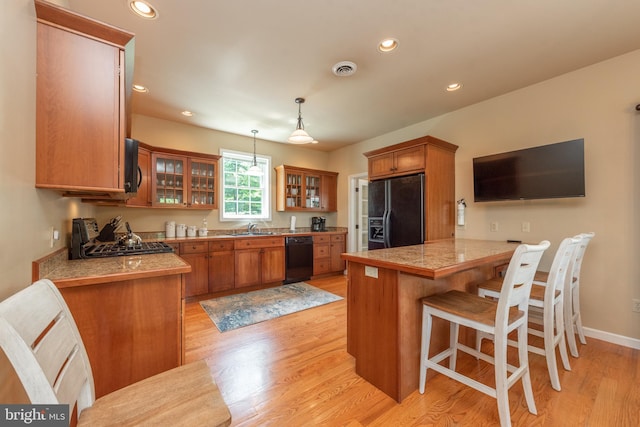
<point x="494" y="226"/>
<point x="51" y="236"/>
<point x="636" y="305"/>
<point x="526" y="226"/>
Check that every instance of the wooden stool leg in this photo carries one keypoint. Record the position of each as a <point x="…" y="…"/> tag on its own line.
<point x="562" y="343"/>
<point x="502" y="387"/>
<point x="454" y="329"/>
<point x="427" y="322"/>
<point x="577" y="316"/>
<point x="568" y="324"/>
<point x="523" y="356"/>
<point x="550" y="349"/>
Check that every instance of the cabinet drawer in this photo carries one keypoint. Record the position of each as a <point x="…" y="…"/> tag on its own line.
<point x="321" y="266"/>
<point x="194" y="248"/>
<point x="337" y="238"/>
<point x="176" y="247"/>
<point x="226" y="245"/>
<point x="259" y="242"/>
<point x="321" y="251"/>
<point x="322" y="239"/>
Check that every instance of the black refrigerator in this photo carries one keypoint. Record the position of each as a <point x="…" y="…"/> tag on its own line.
<point x="396" y="212"/>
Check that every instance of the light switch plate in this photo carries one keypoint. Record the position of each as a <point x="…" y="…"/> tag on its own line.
<point x="371" y="271"/>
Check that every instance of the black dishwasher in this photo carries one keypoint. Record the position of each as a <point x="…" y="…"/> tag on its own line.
<point x="299" y="258"/>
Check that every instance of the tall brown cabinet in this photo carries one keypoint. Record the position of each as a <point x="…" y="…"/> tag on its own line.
<point x="84" y="71"/>
<point x="436" y="159"/>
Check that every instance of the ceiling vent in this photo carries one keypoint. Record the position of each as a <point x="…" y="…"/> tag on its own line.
<point x="344" y="69"/>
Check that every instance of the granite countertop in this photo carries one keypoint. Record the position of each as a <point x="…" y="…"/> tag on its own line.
<point x="438" y="258"/>
<point x="66" y="273"/>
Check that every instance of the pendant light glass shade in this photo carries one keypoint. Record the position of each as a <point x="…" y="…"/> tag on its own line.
<point x="300" y="136"/>
<point x="254" y="169"/>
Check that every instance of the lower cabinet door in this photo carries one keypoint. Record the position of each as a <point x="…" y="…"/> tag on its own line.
<point x="196" y="282"/>
<point x="273" y="265"/>
<point x="221" y="271"/>
<point x="247" y="267"/>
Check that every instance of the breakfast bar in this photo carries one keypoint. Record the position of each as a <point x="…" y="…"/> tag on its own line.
<point x="384" y="313"/>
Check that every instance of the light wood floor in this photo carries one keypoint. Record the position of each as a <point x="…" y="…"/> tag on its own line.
<point x="295" y="371"/>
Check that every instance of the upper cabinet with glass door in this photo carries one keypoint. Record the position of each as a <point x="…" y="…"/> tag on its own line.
<point x="302" y="189"/>
<point x="182" y="181"/>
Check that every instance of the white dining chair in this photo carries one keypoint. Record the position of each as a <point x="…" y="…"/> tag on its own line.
<point x="546" y="308"/>
<point x="42" y="342"/>
<point x="498" y="318"/>
<point x="572" y="317"/>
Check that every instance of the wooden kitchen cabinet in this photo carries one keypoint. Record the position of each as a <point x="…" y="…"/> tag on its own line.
<point x="404" y="161"/>
<point x="436" y="159"/>
<point x="327" y="249"/>
<point x="321" y="254"/>
<point x="221" y="266"/>
<point x="338" y="246"/>
<point x="197" y="255"/>
<point x="132" y="329"/>
<point x="302" y="189"/>
<point x="259" y="261"/>
<point x="180" y="180"/>
<point x="83" y="81"/>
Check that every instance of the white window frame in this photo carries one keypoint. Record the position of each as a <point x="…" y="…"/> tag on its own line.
<point x="264" y="162"/>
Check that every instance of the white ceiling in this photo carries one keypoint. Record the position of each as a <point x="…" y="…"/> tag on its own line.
<point x="240" y="64"/>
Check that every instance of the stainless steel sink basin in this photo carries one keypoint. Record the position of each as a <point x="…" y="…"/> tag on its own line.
<point x="254" y="233"/>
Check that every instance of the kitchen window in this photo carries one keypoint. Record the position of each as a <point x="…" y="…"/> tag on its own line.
<point x="245" y="195"/>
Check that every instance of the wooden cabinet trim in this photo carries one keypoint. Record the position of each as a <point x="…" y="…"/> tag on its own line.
<point x="57" y="15"/>
<point x="425" y="140"/>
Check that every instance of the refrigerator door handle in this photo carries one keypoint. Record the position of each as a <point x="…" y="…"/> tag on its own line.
<point x="387" y="228"/>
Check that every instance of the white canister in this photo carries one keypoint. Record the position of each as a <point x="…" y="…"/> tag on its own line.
<point x="170" y="229"/>
<point x="203" y="232"/>
<point x="191" y="231"/>
<point x="181" y="230"/>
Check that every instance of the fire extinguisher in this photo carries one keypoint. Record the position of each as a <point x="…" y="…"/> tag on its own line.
<point x="461" y="206"/>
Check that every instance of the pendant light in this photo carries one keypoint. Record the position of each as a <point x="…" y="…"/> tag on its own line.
<point x="299" y="136"/>
<point x="254" y="169"/>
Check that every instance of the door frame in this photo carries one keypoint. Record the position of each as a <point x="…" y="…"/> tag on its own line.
<point x="354" y="235"/>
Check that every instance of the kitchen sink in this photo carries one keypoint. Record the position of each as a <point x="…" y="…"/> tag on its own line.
<point x="254" y="233"/>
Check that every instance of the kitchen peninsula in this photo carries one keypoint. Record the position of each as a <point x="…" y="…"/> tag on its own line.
<point x="128" y="310"/>
<point x="384" y="313"/>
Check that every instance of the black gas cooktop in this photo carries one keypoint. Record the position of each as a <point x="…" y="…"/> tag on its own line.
<point x="101" y="250"/>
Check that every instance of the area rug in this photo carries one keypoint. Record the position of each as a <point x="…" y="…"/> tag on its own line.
<point x="235" y="311"/>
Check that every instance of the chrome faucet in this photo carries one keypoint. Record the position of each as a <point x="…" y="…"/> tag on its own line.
<point x="251" y="227"/>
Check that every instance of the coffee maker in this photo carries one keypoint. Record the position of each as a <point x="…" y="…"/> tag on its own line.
<point x="318" y="223"/>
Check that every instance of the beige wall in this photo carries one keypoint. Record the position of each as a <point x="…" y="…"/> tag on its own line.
<point x="595" y="103"/>
<point x="26" y="213"/>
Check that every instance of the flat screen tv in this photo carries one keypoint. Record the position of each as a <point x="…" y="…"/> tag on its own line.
<point x="544" y="172"/>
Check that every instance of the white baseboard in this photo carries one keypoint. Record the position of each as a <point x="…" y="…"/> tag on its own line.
<point x="612" y="338"/>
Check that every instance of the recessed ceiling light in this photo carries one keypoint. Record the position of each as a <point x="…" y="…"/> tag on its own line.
<point x="140" y="88"/>
<point x="453" y="87"/>
<point x="143" y="9"/>
<point x="187" y="113"/>
<point x="387" y="45"/>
